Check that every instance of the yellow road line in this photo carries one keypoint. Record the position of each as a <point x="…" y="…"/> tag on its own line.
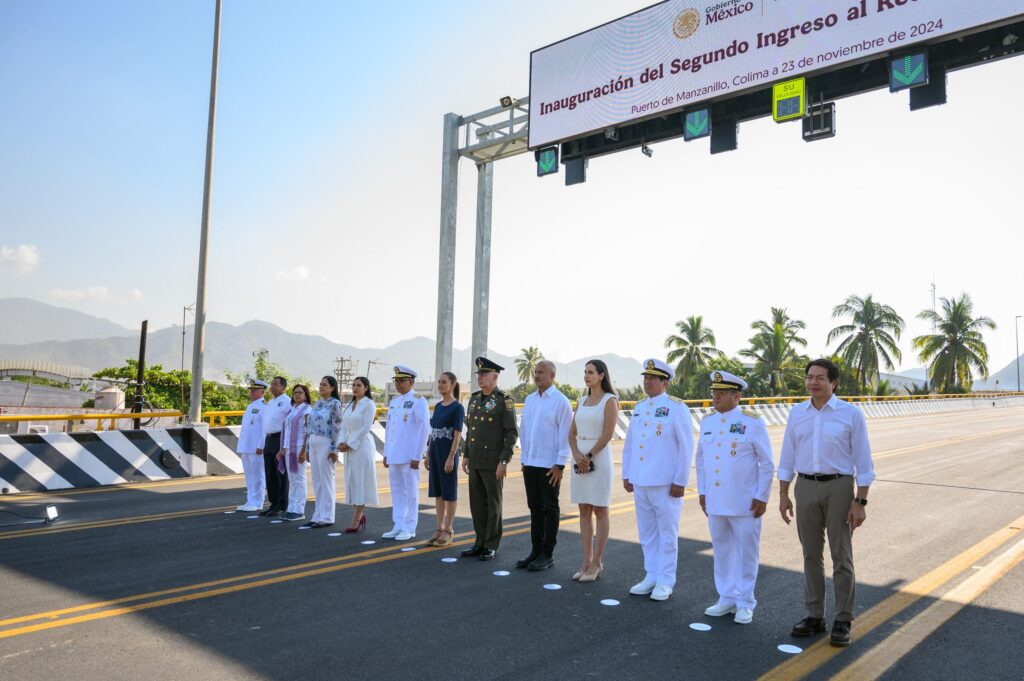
<point x="265" y="578"/>
<point x="821" y="652"/>
<point x="122" y="487"/>
<point x="883" y="656"/>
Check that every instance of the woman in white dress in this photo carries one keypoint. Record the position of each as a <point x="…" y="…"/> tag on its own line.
<point x="360" y="453"/>
<point x="593" y="470"/>
<point x="292" y="456"/>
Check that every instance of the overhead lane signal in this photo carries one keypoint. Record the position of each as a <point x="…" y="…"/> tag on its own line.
<point x="908" y="70"/>
<point x="789" y="100"/>
<point x="547" y="161"/>
<point x="697" y="124"/>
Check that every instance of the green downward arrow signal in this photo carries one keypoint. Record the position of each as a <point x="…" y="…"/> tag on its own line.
<point x="907" y="76"/>
<point x="697" y="125"/>
<point x="547" y="161"/>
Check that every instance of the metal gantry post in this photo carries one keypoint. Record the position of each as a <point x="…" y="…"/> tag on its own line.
<point x="446" y="253"/>
<point x="199" y="332"/>
<point x="482" y="269"/>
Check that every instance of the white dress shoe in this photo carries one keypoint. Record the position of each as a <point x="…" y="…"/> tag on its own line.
<point x="719" y="609"/>
<point x="404" y="535"/>
<point x="661" y="592"/>
<point x="643" y="588"/>
<point x="392" y="533"/>
<point x="250" y="509"/>
<point x="743" y="616"/>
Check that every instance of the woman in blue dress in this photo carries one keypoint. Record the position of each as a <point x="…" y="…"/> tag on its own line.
<point x="442" y="460"/>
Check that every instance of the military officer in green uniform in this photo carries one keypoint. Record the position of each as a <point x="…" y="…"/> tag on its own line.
<point x="491" y="420"/>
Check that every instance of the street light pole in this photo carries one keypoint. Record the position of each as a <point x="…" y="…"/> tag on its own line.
<point x="199" y="333"/>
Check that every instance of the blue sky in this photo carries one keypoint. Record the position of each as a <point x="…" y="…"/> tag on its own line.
<point x="326" y="185"/>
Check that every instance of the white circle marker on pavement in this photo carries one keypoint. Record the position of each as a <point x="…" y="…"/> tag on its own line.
<point x="228" y="512"/>
<point x="791" y="650"/>
<point x="449" y="560"/>
<point x="276" y="522"/>
<point x="609" y="601"/>
<point x="409" y="548"/>
<point x="303" y="527"/>
<point x="334" y="534"/>
<point x="501" y="573"/>
<point x="552" y="587"/>
<point x="700" y="626"/>
<point x="368" y="542"/>
<point x="251" y="517"/>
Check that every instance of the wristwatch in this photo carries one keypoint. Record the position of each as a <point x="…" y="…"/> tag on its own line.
<point x="862" y="502"/>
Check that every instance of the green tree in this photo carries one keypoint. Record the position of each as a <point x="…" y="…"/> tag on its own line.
<point x="697" y="386"/>
<point x="916" y="389"/>
<point x="956" y="350"/>
<point x="162" y="389"/>
<point x="528" y="362"/>
<point x="868" y="341"/>
<point x="691" y="348"/>
<point x="631" y="394"/>
<point x="773" y="350"/>
<point x="883" y="389"/>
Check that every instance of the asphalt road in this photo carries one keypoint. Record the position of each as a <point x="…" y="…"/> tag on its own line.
<point x="156" y="581"/>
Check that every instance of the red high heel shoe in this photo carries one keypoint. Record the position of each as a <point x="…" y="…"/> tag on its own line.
<point x="358" y="528"/>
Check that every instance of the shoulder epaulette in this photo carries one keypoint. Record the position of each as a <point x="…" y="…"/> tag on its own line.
<point x="675" y="399"/>
<point x="751" y="414"/>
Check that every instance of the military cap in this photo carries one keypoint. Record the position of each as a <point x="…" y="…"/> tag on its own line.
<point x="723" y="380"/>
<point x="655" y="367"/>
<point x="484" y="366"/>
<point x="402" y="371"/>
<point x="256" y="384"/>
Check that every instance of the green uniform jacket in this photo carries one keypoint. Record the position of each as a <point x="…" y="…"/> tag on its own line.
<point x="491" y="420"/>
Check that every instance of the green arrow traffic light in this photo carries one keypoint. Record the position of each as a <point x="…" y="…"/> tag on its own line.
<point x="547" y="161"/>
<point x="908" y="71"/>
<point x="697" y="124"/>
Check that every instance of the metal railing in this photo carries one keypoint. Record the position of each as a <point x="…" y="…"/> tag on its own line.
<point x="98" y="418"/>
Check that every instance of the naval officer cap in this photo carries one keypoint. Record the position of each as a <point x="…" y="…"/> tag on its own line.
<point x="402" y="371"/>
<point x="486" y="366"/>
<point x="723" y="380"/>
<point x="655" y="367"/>
<point x="256" y="384"/>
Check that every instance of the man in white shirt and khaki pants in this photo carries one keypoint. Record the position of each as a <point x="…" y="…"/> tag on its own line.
<point x="826" y="447"/>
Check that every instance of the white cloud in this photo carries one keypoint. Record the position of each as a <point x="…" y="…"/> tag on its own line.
<point x="97" y="293"/>
<point x="21" y="259"/>
<point x="135" y="294"/>
<point x="300" y="273"/>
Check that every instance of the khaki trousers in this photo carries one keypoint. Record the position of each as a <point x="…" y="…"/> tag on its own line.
<point x="821" y="509"/>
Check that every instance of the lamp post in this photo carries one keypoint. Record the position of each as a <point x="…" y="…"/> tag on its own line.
<point x="1016" y="345"/>
<point x="199" y="332"/>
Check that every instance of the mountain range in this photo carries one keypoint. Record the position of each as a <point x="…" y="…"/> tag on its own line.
<point x="32" y="330"/>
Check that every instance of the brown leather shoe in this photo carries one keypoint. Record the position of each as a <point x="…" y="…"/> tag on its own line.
<point x="840" y="637"/>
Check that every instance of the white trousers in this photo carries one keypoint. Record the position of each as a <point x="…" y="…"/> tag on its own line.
<point x="255" y="480"/>
<point x="657" y="523"/>
<point x="297" y="490"/>
<point x="737" y="543"/>
<point x="322" y="471"/>
<point x="405" y="496"/>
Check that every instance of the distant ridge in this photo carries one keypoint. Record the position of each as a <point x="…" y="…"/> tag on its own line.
<point x="24" y="320"/>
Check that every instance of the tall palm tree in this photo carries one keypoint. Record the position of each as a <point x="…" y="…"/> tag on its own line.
<point x="956" y="349"/>
<point x="692" y="347"/>
<point x="528" y="362"/>
<point x="869" y="341"/>
<point x="774" y="349"/>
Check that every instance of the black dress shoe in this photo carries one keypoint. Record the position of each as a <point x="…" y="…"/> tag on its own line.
<point x="840" y="634"/>
<point x="525" y="562"/>
<point x="808" y="626"/>
<point x="317" y="526"/>
<point x="488" y="554"/>
<point x="310" y="524"/>
<point x="469" y="553"/>
<point x="543" y="562"/>
<point x="269" y="511"/>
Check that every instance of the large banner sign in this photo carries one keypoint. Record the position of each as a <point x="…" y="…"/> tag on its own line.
<point x="681" y="52"/>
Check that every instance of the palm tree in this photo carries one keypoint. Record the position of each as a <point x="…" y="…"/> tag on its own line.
<point x="528" y="362"/>
<point x="692" y="347"/>
<point x="956" y="349"/>
<point x="869" y="339"/>
<point x="884" y="389"/>
<point x="773" y="349"/>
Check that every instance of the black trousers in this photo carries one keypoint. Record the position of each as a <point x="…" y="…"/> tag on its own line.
<point x="277" y="483"/>
<point x="542" y="499"/>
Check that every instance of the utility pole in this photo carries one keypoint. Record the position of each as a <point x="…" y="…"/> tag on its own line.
<point x="195" y="407"/>
<point x="1016" y="345"/>
<point x="140" y="375"/>
<point x="184" y="311"/>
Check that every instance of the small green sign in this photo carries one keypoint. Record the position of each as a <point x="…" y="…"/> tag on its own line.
<point x="697" y="124"/>
<point x="547" y="161"/>
<point x="908" y="71"/>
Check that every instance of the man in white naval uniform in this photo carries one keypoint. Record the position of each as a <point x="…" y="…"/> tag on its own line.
<point x="405" y="441"/>
<point x="250" y="439"/>
<point x="734" y="477"/>
<point x="655" y="469"/>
